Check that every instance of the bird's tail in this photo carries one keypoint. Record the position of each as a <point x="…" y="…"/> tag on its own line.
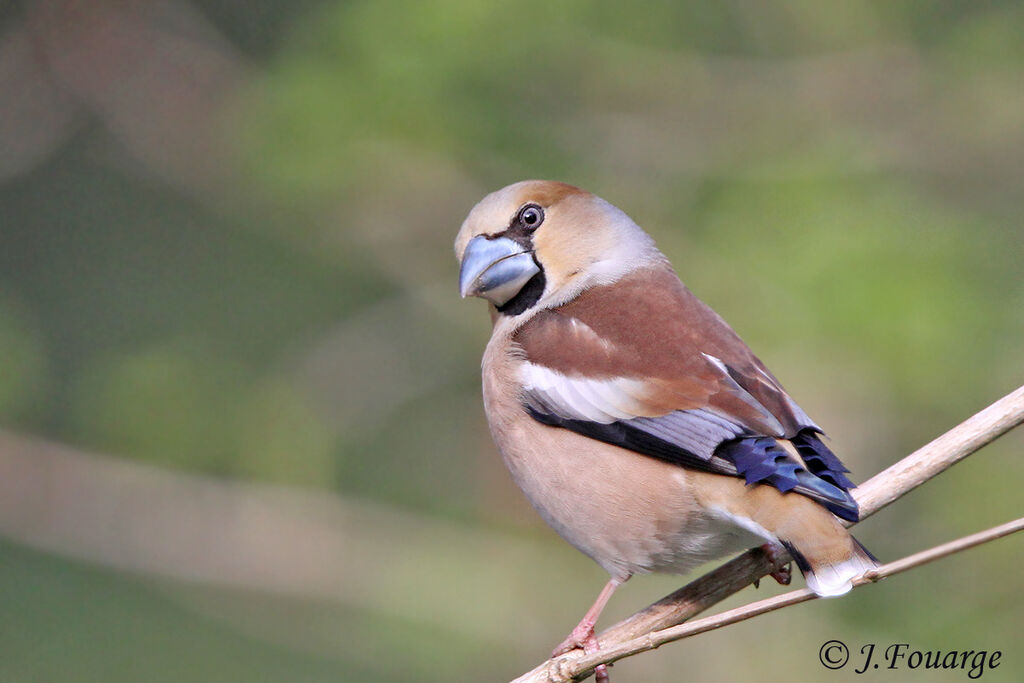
<point x="829" y="571"/>
<point x="829" y="557"/>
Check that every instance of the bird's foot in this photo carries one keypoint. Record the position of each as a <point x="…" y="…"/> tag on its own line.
<point x="582" y="637"/>
<point x="783" y="572"/>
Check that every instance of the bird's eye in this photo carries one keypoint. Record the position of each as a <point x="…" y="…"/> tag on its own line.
<point x="531" y="216"/>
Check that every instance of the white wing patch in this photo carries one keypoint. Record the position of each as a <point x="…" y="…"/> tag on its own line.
<point x="604" y="401"/>
<point x="581" y="398"/>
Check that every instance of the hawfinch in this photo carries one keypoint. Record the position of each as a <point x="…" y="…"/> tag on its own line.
<point x="639" y="425"/>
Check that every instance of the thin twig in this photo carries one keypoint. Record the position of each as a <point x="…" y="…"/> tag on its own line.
<point x="673" y="633"/>
<point x="735" y="575"/>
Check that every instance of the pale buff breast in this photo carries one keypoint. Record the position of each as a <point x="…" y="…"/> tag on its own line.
<point x="628" y="512"/>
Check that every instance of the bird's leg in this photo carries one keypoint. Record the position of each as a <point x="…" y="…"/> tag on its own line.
<point x="783" y="572"/>
<point x="583" y="635"/>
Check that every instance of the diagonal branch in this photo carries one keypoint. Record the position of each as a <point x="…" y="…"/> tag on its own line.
<point x="875" y="494"/>
<point x="656" y="639"/>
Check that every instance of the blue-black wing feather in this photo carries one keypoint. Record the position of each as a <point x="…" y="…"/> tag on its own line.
<point x="696" y="440"/>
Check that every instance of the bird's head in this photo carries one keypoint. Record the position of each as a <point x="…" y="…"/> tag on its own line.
<point x="538" y="244"/>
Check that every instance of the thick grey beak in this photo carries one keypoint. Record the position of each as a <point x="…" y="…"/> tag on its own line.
<point x="495" y="269"/>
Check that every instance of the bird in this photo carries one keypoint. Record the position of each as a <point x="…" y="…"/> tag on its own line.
<point x="639" y="425"/>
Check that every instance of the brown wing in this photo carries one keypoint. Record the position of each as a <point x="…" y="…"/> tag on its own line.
<point x="650" y="327"/>
<point x="647" y="366"/>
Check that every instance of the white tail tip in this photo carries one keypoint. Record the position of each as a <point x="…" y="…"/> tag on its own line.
<point x="831" y="581"/>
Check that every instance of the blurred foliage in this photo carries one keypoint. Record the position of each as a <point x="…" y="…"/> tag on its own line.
<point x="24" y="381"/>
<point x="843" y="182"/>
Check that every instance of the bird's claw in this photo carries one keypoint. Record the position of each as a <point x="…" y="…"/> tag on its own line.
<point x="582" y="637"/>
<point x="783" y="574"/>
<point x="783" y="571"/>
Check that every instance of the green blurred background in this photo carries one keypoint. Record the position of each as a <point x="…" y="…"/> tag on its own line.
<point x="242" y="435"/>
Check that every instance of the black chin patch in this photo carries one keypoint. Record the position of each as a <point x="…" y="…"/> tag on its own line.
<point x="527" y="296"/>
